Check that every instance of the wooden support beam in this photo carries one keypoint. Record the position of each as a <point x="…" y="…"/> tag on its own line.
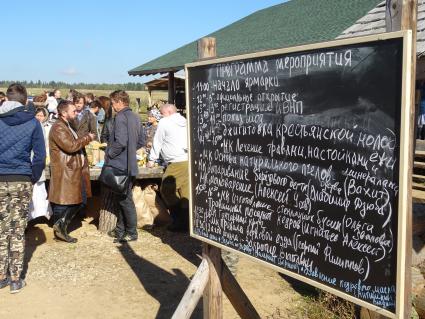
<point x="213" y="293"/>
<point x="193" y="293"/>
<point x="409" y="22"/>
<point x="236" y="295"/>
<point x="171" y="88"/>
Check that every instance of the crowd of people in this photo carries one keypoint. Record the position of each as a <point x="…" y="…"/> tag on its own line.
<point x="54" y="131"/>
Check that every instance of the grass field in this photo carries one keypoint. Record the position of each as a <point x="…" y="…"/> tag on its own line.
<point x="143" y="95"/>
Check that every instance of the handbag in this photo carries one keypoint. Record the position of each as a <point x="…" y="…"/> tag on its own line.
<point x="115" y="179"/>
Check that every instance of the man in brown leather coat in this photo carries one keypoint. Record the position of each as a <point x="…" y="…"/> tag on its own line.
<point x="69" y="173"/>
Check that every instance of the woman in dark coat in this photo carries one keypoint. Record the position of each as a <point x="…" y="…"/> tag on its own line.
<point x="109" y="120"/>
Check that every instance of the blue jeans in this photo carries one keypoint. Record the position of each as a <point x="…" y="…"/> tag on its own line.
<point x="126" y="215"/>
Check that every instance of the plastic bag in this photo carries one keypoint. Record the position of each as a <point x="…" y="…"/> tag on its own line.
<point x="156" y="205"/>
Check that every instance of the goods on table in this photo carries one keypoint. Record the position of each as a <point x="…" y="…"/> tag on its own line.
<point x="142" y="157"/>
<point x="95" y="152"/>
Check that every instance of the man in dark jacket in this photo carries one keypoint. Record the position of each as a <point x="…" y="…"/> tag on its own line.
<point x="126" y="137"/>
<point x="20" y="135"/>
<point x="85" y="122"/>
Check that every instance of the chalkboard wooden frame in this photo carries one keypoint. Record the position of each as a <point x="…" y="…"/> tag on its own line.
<point x="404" y="197"/>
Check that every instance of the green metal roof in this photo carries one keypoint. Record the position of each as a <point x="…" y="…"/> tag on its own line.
<point x="291" y="23"/>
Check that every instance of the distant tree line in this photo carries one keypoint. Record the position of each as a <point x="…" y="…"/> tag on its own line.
<point x="88" y="86"/>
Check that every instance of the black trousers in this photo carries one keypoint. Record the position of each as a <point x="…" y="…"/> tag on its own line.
<point x="127" y="217"/>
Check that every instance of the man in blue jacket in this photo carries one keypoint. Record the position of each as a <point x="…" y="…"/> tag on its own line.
<point x="20" y="135"/>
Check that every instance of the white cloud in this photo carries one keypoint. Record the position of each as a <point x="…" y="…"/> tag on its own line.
<point x="71" y="71"/>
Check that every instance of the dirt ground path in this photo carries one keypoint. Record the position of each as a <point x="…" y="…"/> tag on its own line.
<point x="145" y="279"/>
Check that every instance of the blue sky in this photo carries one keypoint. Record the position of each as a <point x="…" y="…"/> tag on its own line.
<point x="99" y="41"/>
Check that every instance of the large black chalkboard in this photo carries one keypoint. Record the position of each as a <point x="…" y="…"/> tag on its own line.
<point x="295" y="162"/>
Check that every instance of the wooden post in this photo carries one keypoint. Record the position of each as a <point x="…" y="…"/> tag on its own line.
<point x="409" y="22"/>
<point x="171" y="88"/>
<point x="206" y="48"/>
<point x="213" y="293"/>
